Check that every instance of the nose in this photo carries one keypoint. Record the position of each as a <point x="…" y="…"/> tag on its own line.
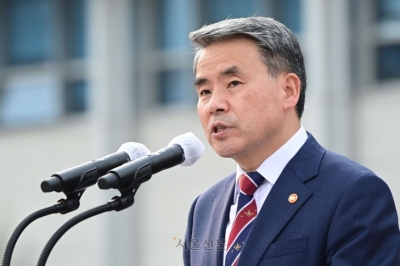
<point x="218" y="102"/>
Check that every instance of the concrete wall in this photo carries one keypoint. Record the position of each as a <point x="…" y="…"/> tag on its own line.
<point x="362" y="124"/>
<point x="157" y="220"/>
<point x="378" y="130"/>
<point x="163" y="203"/>
<point x="28" y="157"/>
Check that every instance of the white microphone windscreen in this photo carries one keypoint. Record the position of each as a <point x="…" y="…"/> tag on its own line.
<point x="134" y="150"/>
<point x="192" y="147"/>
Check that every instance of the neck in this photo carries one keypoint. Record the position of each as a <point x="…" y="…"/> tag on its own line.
<point x="251" y="162"/>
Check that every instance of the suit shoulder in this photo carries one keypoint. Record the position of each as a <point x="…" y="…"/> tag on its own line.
<point x="341" y="172"/>
<point x="209" y="195"/>
<point x="203" y="204"/>
<point x="342" y="165"/>
<point x="218" y="187"/>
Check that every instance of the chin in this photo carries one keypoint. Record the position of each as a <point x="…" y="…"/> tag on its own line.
<point x="225" y="152"/>
<point x="227" y="148"/>
<point x="223" y="155"/>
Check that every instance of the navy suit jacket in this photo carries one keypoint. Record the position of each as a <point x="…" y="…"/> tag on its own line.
<point x="344" y="215"/>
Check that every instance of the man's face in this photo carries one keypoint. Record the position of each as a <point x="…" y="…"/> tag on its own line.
<point x="240" y="105"/>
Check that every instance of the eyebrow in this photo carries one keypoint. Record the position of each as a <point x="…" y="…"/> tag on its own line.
<point x="230" y="71"/>
<point x="200" y="81"/>
<point x="234" y="70"/>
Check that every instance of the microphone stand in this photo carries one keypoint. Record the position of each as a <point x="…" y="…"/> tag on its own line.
<point x="118" y="203"/>
<point x="64" y="206"/>
<point x="112" y="205"/>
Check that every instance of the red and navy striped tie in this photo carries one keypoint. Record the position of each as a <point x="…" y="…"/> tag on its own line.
<point x="245" y="215"/>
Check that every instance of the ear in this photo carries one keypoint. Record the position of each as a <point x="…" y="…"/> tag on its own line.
<point x="292" y="91"/>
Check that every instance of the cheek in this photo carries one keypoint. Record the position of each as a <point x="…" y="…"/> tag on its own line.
<point x="254" y="103"/>
<point x="259" y="111"/>
<point x="200" y="109"/>
<point x="201" y="112"/>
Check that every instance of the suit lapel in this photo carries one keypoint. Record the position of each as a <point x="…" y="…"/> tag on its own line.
<point x="277" y="211"/>
<point x="273" y="216"/>
<point x="219" y="218"/>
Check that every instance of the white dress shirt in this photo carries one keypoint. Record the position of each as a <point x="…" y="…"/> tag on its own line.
<point x="270" y="169"/>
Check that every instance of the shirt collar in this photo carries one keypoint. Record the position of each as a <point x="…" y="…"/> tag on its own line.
<point x="273" y="166"/>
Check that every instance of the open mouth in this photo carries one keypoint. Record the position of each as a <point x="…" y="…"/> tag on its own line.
<point x="219" y="129"/>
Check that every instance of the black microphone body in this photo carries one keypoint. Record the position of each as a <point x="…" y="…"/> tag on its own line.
<point x="141" y="170"/>
<point x="84" y="175"/>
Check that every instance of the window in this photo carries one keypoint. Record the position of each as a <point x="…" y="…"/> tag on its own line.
<point x="376" y="42"/>
<point x="27" y="100"/>
<point x="75" y="97"/>
<point x="387" y="21"/>
<point x="172" y="60"/>
<point x="41" y="60"/>
<point x="176" y="86"/>
<point x="75" y="28"/>
<point x="174" y="76"/>
<point x="214" y="11"/>
<point x="288" y="12"/>
<point x="29" y="31"/>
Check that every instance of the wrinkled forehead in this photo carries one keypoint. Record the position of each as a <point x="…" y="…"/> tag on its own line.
<point x="200" y="49"/>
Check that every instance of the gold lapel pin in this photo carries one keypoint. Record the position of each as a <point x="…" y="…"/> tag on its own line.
<point x="293" y="198"/>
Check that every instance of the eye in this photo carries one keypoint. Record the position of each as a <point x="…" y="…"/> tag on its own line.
<point x="204" y="92"/>
<point x="234" y="83"/>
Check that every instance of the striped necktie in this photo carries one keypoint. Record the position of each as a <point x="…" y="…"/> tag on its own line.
<point x="245" y="215"/>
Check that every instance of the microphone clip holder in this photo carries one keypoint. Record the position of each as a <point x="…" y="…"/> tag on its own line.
<point x="127" y="197"/>
<point x="72" y="202"/>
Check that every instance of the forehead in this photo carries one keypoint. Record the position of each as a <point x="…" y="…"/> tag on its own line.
<point x="241" y="52"/>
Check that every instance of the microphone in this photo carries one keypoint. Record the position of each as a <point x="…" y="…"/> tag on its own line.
<point x="82" y="176"/>
<point x="184" y="149"/>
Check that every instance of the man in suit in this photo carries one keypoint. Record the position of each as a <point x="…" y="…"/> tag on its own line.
<point x="290" y="202"/>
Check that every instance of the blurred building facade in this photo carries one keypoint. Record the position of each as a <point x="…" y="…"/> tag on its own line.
<point x="80" y="77"/>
